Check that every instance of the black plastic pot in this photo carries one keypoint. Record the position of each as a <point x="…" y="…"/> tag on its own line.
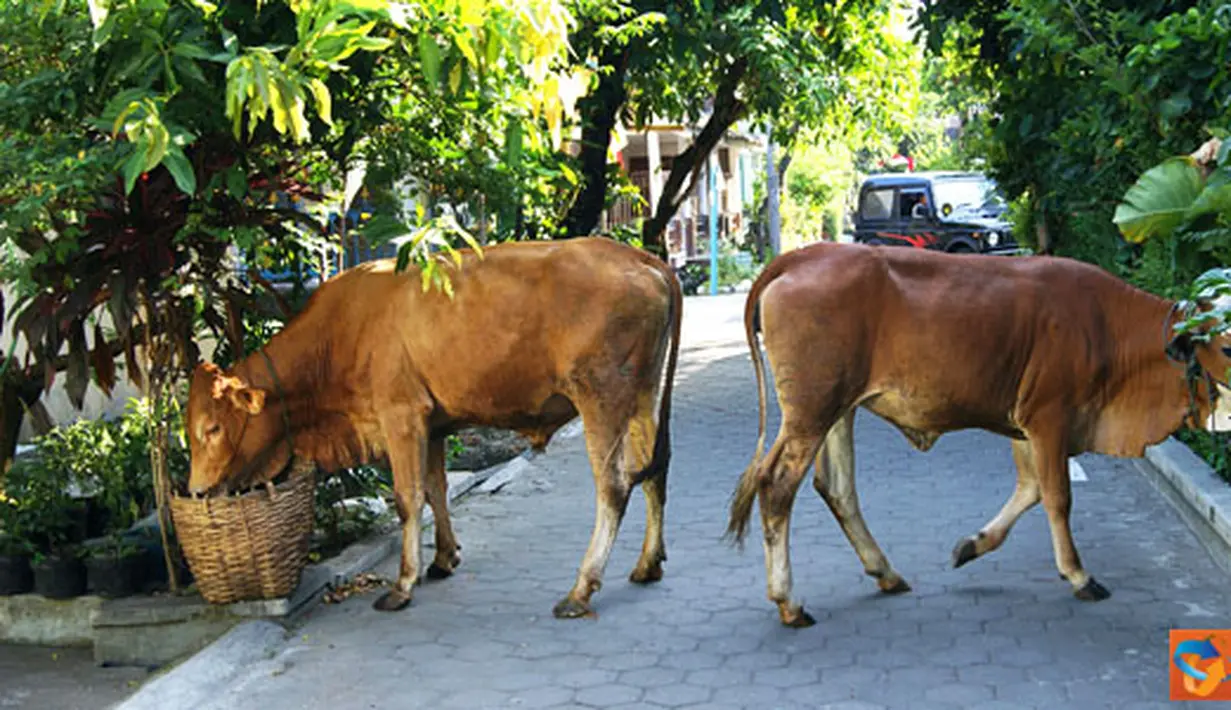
<point x="60" y="577"/>
<point x="114" y="577"/>
<point x="154" y="575"/>
<point x="16" y="577"/>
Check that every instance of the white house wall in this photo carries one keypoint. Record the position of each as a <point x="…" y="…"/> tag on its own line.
<point x="96" y="405"/>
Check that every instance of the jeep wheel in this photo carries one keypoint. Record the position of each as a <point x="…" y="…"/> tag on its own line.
<point x="961" y="248"/>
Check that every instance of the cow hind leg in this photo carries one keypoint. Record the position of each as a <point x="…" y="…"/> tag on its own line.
<point x="834" y="480"/>
<point x="653" y="551"/>
<point x="1052" y="468"/>
<point x="638" y="453"/>
<point x="784" y="468"/>
<point x="408" y="444"/>
<point x="604" y="444"/>
<point x="448" y="551"/>
<point x="1025" y="496"/>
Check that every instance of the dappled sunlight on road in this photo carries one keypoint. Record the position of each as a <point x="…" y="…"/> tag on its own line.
<point x="710" y="319"/>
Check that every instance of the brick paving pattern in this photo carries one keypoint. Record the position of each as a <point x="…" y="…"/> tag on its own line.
<point x="1001" y="633"/>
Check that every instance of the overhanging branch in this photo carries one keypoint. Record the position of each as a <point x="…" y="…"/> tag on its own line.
<point x="727" y="110"/>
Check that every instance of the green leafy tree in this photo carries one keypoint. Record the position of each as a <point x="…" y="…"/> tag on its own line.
<point x="1183" y="206"/>
<point x="782" y="66"/>
<point x="147" y="143"/>
<point x="1085" y="96"/>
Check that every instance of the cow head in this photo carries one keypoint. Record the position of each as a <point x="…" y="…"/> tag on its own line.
<point x="1209" y="359"/>
<point x="233" y="438"/>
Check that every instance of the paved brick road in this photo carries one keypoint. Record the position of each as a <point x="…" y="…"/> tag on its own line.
<point x="1003" y="632"/>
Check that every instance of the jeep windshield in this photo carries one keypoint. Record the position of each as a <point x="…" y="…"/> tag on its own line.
<point x="967" y="197"/>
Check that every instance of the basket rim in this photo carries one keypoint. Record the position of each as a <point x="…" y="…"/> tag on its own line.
<point x="299" y="469"/>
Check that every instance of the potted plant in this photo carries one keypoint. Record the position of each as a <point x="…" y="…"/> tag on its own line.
<point x="16" y="576"/>
<point x="115" y="568"/>
<point x="55" y="523"/>
<point x="54" y="513"/>
<point x="120" y="481"/>
<point x="135" y="427"/>
<point x="59" y="573"/>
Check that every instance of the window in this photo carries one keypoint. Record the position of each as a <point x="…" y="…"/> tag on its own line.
<point x="908" y="201"/>
<point x="968" y="194"/>
<point x="877" y="204"/>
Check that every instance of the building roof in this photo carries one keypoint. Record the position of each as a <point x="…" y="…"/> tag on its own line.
<point x="889" y="179"/>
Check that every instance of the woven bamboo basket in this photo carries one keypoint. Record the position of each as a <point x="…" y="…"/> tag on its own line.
<point x="250" y="546"/>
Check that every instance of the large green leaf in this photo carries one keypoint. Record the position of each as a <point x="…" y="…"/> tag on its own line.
<point x="1160" y="199"/>
<point x="429" y="56"/>
<point x="1216" y="197"/>
<point x="237" y="181"/>
<point x="324" y="102"/>
<point x="383" y="227"/>
<point x="181" y="170"/>
<point x="132" y="168"/>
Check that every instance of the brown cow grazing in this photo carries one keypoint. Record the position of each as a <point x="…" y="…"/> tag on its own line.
<point x="376" y="369"/>
<point x="1057" y="355"/>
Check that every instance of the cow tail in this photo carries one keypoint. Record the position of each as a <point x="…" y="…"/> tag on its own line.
<point x="661" y="458"/>
<point x="746" y="490"/>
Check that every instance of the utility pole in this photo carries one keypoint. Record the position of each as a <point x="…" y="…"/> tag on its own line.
<point x="712" y="168"/>
<point x="771" y="187"/>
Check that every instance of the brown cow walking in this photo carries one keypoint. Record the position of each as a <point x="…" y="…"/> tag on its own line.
<point x="376" y="369"/>
<point x="1057" y="355"/>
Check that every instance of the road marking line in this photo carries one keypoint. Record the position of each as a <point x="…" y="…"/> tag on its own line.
<point x="1076" y="472"/>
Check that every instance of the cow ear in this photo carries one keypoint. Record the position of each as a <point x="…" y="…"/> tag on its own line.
<point x="1180" y="348"/>
<point x="249" y="399"/>
<point x="223" y="385"/>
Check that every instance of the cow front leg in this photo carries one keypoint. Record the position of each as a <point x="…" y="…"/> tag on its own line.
<point x="1052" y="467"/>
<point x="611" y="490"/>
<point x="448" y="551"/>
<point x="1025" y="496"/>
<point x="835" y="482"/>
<point x="408" y="459"/>
<point x="786" y="464"/>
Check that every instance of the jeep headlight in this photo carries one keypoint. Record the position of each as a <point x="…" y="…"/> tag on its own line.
<point x="993" y="238"/>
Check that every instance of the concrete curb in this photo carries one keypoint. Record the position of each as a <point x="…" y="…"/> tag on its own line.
<point x="223" y="665"/>
<point x="1196" y="492"/>
<point x="211" y="671"/>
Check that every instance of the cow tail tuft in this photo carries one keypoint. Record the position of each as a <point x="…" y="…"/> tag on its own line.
<point x="746" y="490"/>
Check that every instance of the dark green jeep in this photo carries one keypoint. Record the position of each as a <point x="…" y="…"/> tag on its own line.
<point x="945" y="211"/>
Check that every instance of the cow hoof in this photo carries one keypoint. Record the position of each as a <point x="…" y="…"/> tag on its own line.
<point x="964" y="552"/>
<point x="646" y="576"/>
<point x="1092" y="591"/>
<point x="570" y="608"/>
<point x="435" y="571"/>
<point x="889" y="586"/>
<point x="393" y="600"/>
<point x="797" y="619"/>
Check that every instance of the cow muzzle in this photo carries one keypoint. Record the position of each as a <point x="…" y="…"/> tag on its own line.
<point x="200" y="489"/>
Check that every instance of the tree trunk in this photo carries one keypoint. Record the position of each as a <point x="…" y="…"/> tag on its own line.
<point x="598" y="114"/>
<point x="158" y="356"/>
<point x="17" y="393"/>
<point x="1042" y="234"/>
<point x="763" y="208"/>
<point x="727" y="110"/>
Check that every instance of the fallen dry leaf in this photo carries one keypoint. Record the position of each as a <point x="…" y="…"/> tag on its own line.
<point x="359" y="584"/>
